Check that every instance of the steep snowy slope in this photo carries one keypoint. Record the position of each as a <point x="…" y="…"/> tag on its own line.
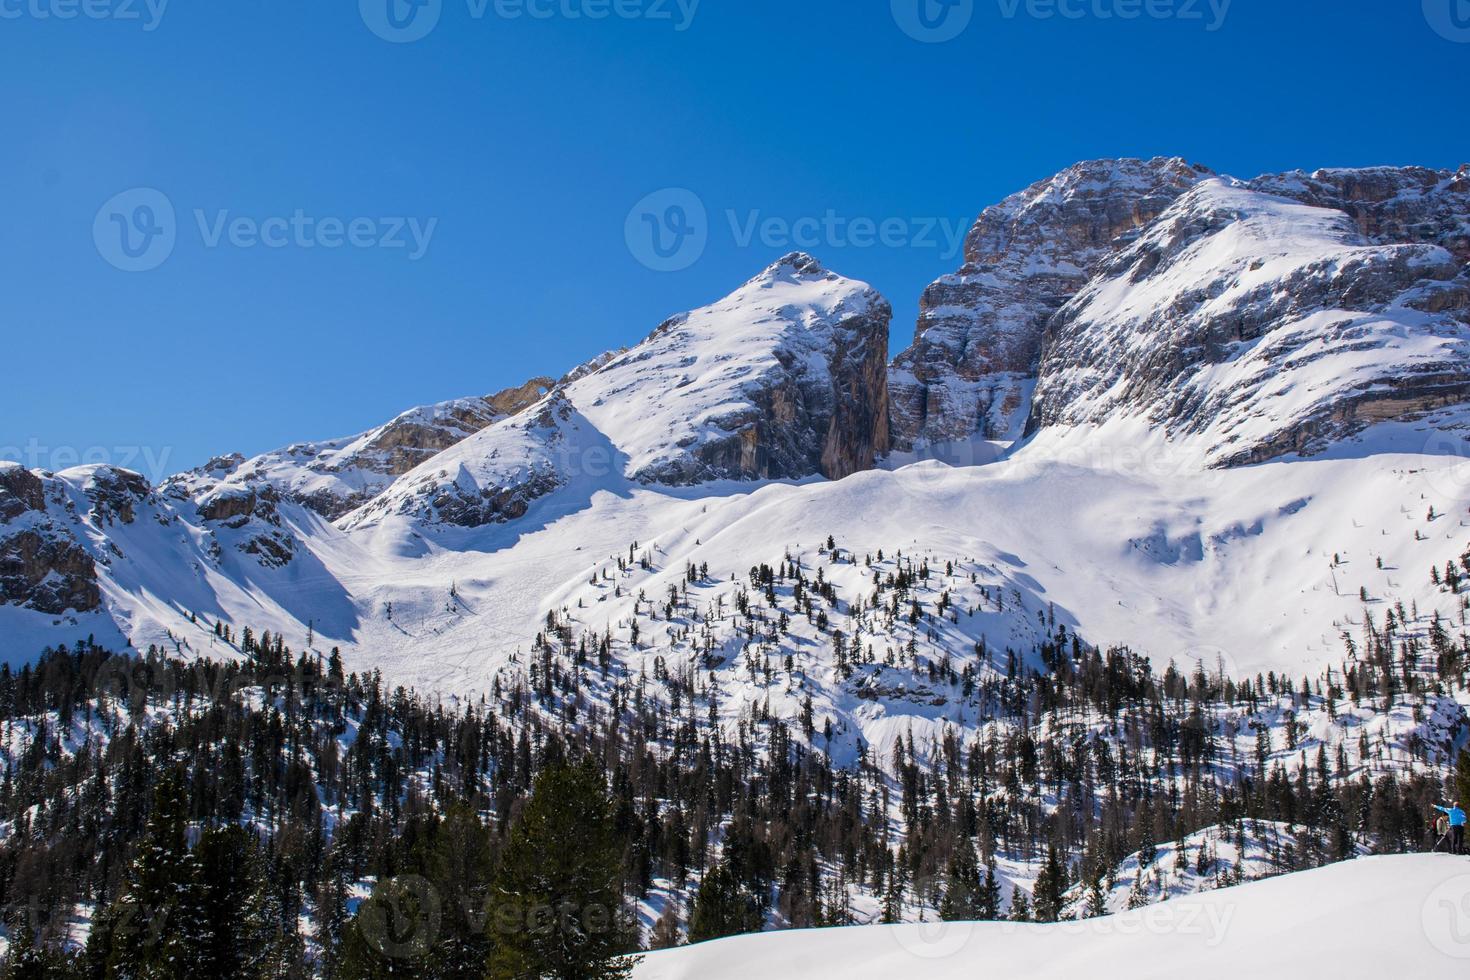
<point x="1374" y="917"/>
<point x="784" y="378"/>
<point x="1252" y="326"/>
<point x="975" y="350"/>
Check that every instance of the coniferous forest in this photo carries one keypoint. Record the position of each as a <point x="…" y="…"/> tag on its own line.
<point x="277" y="816"/>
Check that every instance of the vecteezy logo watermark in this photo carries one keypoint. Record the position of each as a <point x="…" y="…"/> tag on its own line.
<point x="403" y="21"/>
<point x="669" y="230"/>
<point x="1211" y="13"/>
<point x="301" y="230"/>
<point x="137" y="230"/>
<point x="1449" y="18"/>
<point x="933" y="21"/>
<point x="148" y="13"/>
<point x="1446" y="918"/>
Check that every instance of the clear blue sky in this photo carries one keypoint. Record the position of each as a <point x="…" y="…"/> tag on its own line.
<point x="529" y="139"/>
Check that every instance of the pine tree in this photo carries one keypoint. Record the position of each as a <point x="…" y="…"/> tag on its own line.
<point x="722" y="907"/>
<point x="157" y="932"/>
<point x="1050" y="887"/>
<point x="229" y="903"/>
<point x="23" y="961"/>
<point x="962" y="900"/>
<point x="988" y="906"/>
<point x="666" y="933"/>
<point x="559" y="884"/>
<point x="394" y="932"/>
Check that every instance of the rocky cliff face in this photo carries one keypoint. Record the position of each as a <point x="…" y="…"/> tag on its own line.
<point x="1249" y="326"/>
<point x="974" y="356"/>
<point x="1134" y="324"/>
<point x="784" y="378"/>
<point x="43" y="566"/>
<point x="1389" y="205"/>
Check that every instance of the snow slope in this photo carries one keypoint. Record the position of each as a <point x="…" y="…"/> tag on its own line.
<point x="1370" y="918"/>
<point x="1252" y="325"/>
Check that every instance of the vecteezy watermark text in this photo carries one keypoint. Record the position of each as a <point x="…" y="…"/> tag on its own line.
<point x="150" y="461"/>
<point x="406" y="21"/>
<point x="147" y="13"/>
<point x="937" y="21"/>
<point x="137" y="230"/>
<point x="669" y="230"/>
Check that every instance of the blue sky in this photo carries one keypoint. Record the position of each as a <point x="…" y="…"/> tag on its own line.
<point x="519" y="145"/>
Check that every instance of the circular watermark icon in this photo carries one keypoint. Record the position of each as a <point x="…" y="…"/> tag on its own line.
<point x="401" y="919"/>
<point x="933" y="21"/>
<point x="668" y="230"/>
<point x="401" y="21"/>
<point x="1446" y="918"/>
<point x="1449" y="18"/>
<point x="136" y="231"/>
<point x="936" y="939"/>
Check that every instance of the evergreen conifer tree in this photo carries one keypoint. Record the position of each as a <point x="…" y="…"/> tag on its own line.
<point x="558" y="891"/>
<point x="722" y="907"/>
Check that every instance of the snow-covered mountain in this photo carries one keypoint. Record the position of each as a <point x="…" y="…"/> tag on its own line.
<point x="1256" y="326"/>
<point x="1170" y="321"/>
<point x="784" y="378"/>
<point x="1145" y="237"/>
<point x="974" y="357"/>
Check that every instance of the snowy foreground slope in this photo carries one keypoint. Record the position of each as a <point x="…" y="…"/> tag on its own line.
<point x="1369" y="918"/>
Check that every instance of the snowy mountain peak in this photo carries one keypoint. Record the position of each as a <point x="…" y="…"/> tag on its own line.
<point x="970" y="369"/>
<point x="784" y="378"/>
<point x="794" y="264"/>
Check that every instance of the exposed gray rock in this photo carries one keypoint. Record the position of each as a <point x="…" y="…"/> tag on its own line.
<point x="339" y="475"/>
<point x="48" y="571"/>
<point x="974" y="355"/>
<point x="784" y="378"/>
<point x="1254" y="326"/>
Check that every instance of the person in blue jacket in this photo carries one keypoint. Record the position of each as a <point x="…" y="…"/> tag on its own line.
<point x="1456" y="813"/>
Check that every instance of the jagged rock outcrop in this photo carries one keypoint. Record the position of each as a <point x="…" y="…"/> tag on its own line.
<point x="974" y="356"/>
<point x="338" y="475"/>
<point x="1388" y="204"/>
<point x="48" y="572"/>
<point x="115" y="494"/>
<point x="42" y="564"/>
<point x="1249" y="326"/>
<point x="976" y="366"/>
<point x="784" y="378"/>
<point x="20" y="491"/>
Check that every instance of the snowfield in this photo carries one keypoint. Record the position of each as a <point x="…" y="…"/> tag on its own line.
<point x="1370" y="918"/>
